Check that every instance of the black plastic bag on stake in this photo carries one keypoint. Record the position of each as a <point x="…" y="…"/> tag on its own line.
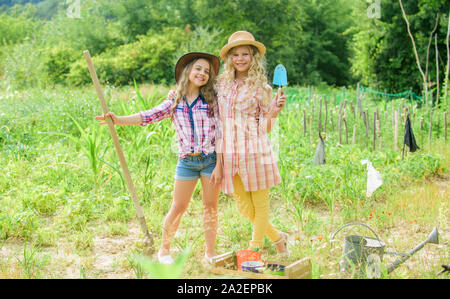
<point x="409" y="139"/>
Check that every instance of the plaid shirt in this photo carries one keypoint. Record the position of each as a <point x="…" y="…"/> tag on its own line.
<point x="197" y="132"/>
<point x="246" y="145"/>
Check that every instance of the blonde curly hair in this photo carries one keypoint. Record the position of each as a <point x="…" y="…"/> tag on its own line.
<point x="257" y="75"/>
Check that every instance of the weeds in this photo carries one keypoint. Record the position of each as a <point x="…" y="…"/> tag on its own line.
<point x="60" y="178"/>
<point x="32" y="263"/>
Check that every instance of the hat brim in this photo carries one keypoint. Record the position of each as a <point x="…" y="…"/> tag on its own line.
<point x="187" y="58"/>
<point x="261" y="48"/>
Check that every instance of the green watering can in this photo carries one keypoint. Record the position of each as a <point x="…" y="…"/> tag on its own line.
<point x="366" y="254"/>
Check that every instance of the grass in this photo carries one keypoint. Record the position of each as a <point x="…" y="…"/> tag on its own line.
<point x="62" y="194"/>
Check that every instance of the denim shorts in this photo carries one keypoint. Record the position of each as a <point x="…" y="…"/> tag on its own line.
<point x="192" y="167"/>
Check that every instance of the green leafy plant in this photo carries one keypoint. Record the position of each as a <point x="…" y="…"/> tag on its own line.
<point x="162" y="271"/>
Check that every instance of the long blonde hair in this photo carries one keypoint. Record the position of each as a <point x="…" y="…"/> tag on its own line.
<point x="257" y="76"/>
<point x="208" y="90"/>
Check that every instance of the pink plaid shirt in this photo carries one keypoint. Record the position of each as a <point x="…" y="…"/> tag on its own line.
<point x="197" y="132"/>
<point x="246" y="146"/>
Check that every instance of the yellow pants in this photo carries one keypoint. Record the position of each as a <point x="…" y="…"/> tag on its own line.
<point x="254" y="205"/>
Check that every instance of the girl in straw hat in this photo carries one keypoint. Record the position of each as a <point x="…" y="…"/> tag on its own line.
<point x="248" y="112"/>
<point x="194" y="113"/>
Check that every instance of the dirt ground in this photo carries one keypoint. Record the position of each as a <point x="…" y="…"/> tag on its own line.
<point x="108" y="258"/>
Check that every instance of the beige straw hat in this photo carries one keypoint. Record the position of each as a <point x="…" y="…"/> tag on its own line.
<point x="241" y="38"/>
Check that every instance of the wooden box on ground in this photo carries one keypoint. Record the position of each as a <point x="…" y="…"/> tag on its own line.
<point x="226" y="264"/>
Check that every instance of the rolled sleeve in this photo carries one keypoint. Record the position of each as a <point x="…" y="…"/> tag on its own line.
<point x="156" y="114"/>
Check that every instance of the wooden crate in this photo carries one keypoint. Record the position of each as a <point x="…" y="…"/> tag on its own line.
<point x="226" y="264"/>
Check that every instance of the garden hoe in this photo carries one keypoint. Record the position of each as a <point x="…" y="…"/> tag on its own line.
<point x="148" y="241"/>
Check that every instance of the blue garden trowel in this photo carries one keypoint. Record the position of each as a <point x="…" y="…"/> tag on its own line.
<point x="279" y="78"/>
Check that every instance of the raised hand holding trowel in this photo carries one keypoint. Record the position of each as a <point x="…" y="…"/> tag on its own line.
<point x="280" y="79"/>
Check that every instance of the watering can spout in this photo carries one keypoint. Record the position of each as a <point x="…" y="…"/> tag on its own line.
<point x="432" y="238"/>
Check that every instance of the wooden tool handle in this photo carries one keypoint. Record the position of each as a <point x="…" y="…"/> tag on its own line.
<point x="278" y="96"/>
<point x="112" y="130"/>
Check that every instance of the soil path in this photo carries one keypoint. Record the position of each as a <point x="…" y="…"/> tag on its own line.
<point x="109" y="256"/>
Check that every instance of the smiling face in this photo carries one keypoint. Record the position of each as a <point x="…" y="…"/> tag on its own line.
<point x="200" y="72"/>
<point x="241" y="59"/>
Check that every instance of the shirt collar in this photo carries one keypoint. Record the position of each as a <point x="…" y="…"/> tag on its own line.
<point x="200" y="96"/>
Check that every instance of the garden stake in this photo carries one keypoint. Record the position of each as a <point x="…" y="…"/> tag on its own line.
<point x="357" y="91"/>
<point x="148" y="242"/>
<point x="320" y="116"/>
<point x="445" y="127"/>
<point x="431" y="127"/>
<point x="331" y="118"/>
<point x="379" y="134"/>
<point x="374" y="129"/>
<point x="346" y="129"/>
<point x="326" y="115"/>
<point x="368" y="121"/>
<point x="393" y="116"/>
<point x="339" y="126"/>
<point x="304" y="122"/>
<point x="396" y="131"/>
<point x="313" y="108"/>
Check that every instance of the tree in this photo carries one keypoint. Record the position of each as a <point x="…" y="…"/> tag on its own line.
<point x="383" y="52"/>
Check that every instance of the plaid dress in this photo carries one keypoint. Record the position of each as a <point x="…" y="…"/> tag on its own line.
<point x="196" y="131"/>
<point x="246" y="146"/>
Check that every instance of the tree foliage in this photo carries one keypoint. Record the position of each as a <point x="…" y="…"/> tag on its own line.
<point x="318" y="41"/>
<point x="384" y="56"/>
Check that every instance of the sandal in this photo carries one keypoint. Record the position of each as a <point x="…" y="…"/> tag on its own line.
<point x="209" y="259"/>
<point x="284" y="240"/>
<point x="165" y="259"/>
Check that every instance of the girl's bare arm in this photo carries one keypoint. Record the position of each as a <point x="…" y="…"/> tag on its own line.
<point x="131" y="120"/>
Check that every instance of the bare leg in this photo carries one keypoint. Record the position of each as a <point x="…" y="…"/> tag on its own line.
<point x="210" y="197"/>
<point x="181" y="197"/>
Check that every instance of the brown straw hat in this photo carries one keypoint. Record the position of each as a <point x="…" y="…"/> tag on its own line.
<point x="241" y="38"/>
<point x="187" y="58"/>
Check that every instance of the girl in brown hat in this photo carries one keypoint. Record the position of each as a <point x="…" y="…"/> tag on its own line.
<point x="194" y="112"/>
<point x="248" y="112"/>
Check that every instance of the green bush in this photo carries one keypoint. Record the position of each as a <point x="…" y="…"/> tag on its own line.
<point x="23" y="66"/>
<point x="57" y="63"/>
<point x="14" y="30"/>
<point x="201" y="39"/>
<point x="148" y="59"/>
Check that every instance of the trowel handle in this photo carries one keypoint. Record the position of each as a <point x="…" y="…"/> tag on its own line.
<point x="278" y="96"/>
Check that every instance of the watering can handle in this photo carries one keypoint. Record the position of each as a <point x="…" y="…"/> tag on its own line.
<point x="353" y="223"/>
